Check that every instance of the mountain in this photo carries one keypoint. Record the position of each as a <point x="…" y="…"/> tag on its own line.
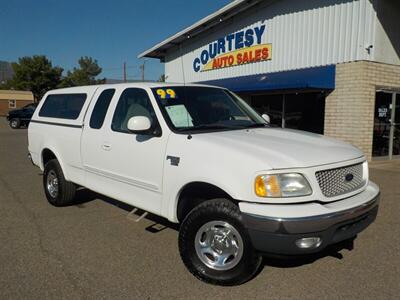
<point x="6" y="71"/>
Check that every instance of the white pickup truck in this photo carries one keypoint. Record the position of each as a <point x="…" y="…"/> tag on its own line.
<point x="200" y="156"/>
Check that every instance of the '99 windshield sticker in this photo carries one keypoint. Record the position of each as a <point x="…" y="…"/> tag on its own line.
<point x="166" y="94"/>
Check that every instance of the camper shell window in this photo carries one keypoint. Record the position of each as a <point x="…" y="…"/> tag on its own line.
<point x="63" y="106"/>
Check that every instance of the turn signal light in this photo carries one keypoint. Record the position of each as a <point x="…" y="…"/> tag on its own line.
<point x="267" y="186"/>
<point x="282" y="185"/>
<point x="260" y="187"/>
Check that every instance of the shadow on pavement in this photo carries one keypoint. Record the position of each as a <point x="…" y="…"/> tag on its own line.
<point x="297" y="261"/>
<point x="84" y="196"/>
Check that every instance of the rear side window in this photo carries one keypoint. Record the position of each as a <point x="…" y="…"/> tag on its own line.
<point x="100" y="109"/>
<point x="63" y="106"/>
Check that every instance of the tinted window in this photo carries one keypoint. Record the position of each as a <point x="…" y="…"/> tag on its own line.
<point x="63" y="106"/>
<point x="133" y="102"/>
<point x="100" y="109"/>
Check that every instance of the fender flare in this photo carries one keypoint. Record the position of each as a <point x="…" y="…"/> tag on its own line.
<point x="173" y="199"/>
<point x="57" y="155"/>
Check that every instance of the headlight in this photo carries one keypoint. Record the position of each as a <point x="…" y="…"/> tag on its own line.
<point x="282" y="185"/>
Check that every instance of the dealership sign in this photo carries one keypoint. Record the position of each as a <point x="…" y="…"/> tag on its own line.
<point x="242" y="47"/>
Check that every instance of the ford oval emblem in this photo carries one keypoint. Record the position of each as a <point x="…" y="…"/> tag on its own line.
<point x="349" y="177"/>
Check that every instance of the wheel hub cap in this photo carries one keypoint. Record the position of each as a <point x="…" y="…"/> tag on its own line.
<point x="219" y="245"/>
<point x="52" y="184"/>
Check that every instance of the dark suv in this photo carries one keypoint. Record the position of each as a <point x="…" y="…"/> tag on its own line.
<point x="21" y="117"/>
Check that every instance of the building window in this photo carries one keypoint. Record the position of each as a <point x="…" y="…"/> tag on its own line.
<point x="12" y="104"/>
<point x="302" y="111"/>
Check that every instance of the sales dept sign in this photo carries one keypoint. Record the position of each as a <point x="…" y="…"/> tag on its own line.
<point x="235" y="49"/>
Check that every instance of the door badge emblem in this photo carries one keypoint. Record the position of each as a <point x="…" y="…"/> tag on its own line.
<point x="174" y="160"/>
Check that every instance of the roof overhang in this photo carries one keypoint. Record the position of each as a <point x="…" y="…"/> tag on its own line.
<point x="230" y="10"/>
<point x="317" y="78"/>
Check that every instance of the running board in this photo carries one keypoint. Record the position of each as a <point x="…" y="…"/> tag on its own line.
<point x="138" y="219"/>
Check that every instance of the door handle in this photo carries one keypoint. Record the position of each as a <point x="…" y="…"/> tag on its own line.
<point x="106" y="147"/>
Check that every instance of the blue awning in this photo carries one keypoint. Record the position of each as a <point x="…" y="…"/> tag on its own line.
<point x="311" y="78"/>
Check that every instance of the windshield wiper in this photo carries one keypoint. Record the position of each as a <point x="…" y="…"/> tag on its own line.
<point x="257" y="125"/>
<point x="211" y="127"/>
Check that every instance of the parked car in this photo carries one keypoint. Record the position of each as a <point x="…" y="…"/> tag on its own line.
<point x="200" y="156"/>
<point x="21" y="117"/>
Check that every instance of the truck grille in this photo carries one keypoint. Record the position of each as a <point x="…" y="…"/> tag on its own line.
<point x="339" y="181"/>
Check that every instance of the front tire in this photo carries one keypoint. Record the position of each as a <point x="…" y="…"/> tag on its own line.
<point x="215" y="246"/>
<point x="59" y="192"/>
<point x="15" y="123"/>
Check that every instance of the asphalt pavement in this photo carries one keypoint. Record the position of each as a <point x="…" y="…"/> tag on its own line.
<point x="92" y="250"/>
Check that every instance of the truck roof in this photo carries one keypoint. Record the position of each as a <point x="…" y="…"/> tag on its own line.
<point x="124" y="85"/>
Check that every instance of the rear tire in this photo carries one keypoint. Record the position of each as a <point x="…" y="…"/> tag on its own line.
<point x="59" y="192"/>
<point x="215" y="246"/>
<point x="15" y="123"/>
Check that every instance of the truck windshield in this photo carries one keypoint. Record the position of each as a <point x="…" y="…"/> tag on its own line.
<point x="193" y="108"/>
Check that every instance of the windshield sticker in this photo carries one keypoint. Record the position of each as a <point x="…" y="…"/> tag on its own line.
<point x="179" y="116"/>
<point x="166" y="94"/>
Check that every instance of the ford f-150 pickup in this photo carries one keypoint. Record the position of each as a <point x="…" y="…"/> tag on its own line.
<point x="200" y="156"/>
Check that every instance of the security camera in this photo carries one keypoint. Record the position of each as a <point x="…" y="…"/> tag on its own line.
<point x="369" y="48"/>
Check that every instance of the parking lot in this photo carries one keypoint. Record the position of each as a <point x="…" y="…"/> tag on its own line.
<point x="92" y="250"/>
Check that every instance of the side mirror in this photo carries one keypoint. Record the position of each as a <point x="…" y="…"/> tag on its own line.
<point x="139" y="125"/>
<point x="266" y="118"/>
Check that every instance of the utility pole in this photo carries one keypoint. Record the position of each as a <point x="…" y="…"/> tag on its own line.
<point x="124" y="76"/>
<point x="142" y="69"/>
<point x="2" y="75"/>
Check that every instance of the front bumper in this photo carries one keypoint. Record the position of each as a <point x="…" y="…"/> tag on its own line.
<point x="336" y="222"/>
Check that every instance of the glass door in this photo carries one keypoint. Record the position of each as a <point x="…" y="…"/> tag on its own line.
<point x="386" y="142"/>
<point x="396" y="127"/>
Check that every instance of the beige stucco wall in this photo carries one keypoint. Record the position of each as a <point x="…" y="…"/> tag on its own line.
<point x="349" y="110"/>
<point x="22" y="98"/>
<point x="15" y="95"/>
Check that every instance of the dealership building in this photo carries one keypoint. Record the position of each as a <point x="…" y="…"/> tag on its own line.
<point x="325" y="66"/>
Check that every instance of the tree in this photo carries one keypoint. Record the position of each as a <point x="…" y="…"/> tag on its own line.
<point x="84" y="75"/>
<point x="35" y="74"/>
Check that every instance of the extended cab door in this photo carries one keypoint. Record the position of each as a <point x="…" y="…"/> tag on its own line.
<point x="123" y="165"/>
<point x="94" y="138"/>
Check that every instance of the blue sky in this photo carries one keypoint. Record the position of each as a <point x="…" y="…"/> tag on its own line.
<point x="110" y="31"/>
